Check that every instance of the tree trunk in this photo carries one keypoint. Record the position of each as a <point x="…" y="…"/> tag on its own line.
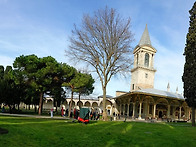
<point x="35" y="108"/>
<point x="79" y="100"/>
<point x="105" y="118"/>
<point x="193" y="116"/>
<point x="10" y="108"/>
<point x="40" y="103"/>
<point x="29" y="106"/>
<point x="70" y="106"/>
<point x="56" y="106"/>
<point x="56" y="109"/>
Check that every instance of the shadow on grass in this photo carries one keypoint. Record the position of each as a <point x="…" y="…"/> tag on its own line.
<point x="3" y="131"/>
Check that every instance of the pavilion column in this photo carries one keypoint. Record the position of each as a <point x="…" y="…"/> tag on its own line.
<point x="180" y="113"/>
<point x="123" y="109"/>
<point x="120" y="109"/>
<point x="147" y="109"/>
<point x="186" y="113"/>
<point x="154" y="111"/>
<point x="128" y="110"/>
<point x="189" y="114"/>
<point x="140" y="111"/>
<point x="111" y="112"/>
<point x="133" y="115"/>
<point x="168" y="112"/>
<point x="174" y="112"/>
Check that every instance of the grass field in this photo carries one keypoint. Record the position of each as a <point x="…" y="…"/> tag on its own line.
<point x="25" y="131"/>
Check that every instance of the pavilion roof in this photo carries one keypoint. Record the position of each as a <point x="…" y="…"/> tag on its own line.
<point x="154" y="92"/>
<point x="160" y="92"/>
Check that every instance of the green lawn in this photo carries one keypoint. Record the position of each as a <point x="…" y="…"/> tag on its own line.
<point x="25" y="131"/>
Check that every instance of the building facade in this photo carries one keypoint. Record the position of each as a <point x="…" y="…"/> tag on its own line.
<point x="94" y="104"/>
<point x="143" y="101"/>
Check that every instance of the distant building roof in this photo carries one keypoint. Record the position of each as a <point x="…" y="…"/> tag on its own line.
<point x="122" y="91"/>
<point x="107" y="96"/>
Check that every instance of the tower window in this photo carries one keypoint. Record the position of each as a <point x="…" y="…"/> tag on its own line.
<point x="137" y="59"/>
<point x="146" y="75"/>
<point x="133" y="87"/>
<point x="146" y="61"/>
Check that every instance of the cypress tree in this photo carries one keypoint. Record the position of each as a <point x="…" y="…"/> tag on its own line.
<point x="189" y="75"/>
<point x="1" y="72"/>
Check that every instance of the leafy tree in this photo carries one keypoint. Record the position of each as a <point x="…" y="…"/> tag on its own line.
<point x="1" y="82"/>
<point x="1" y="72"/>
<point x="84" y="84"/>
<point x="70" y="84"/>
<point x="9" y="90"/>
<point x="62" y="76"/>
<point x="44" y="75"/>
<point x="21" y="86"/>
<point x="189" y="76"/>
<point x="103" y="42"/>
<point x="38" y="73"/>
<point x="25" y="69"/>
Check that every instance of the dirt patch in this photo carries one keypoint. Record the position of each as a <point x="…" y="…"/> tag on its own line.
<point x="3" y="131"/>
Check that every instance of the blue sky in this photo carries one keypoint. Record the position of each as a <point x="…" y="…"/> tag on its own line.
<point x="42" y="27"/>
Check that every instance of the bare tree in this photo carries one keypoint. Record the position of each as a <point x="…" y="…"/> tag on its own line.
<point x="103" y="41"/>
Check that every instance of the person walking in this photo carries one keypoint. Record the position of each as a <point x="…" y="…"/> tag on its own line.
<point x="51" y="112"/>
<point x="91" y="115"/>
<point x="62" y="112"/>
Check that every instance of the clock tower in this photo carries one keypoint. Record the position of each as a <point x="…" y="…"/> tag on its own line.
<point x="143" y="72"/>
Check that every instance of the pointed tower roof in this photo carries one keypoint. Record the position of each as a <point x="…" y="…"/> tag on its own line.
<point x="145" y="39"/>
<point x="176" y="90"/>
<point x="168" y="87"/>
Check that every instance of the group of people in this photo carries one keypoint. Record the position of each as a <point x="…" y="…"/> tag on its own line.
<point x="94" y="115"/>
<point x="74" y="112"/>
<point x="2" y="109"/>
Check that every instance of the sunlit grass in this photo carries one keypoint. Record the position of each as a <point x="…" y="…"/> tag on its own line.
<point x="25" y="131"/>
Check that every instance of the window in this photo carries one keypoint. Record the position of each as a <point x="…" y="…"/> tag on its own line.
<point x="133" y="87"/>
<point x="146" y="75"/>
<point x="137" y="59"/>
<point x="146" y="62"/>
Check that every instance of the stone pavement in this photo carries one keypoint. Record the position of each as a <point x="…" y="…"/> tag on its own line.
<point x="35" y="116"/>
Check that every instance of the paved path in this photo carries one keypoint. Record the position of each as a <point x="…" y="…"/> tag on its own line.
<point x="35" y="116"/>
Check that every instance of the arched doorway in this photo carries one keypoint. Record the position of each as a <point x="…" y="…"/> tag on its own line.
<point x="87" y="104"/>
<point x="160" y="114"/>
<point x="73" y="104"/>
<point x="94" y="104"/>
<point x="79" y="104"/>
<point x="162" y="108"/>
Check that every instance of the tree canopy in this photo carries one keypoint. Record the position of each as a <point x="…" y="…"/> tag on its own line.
<point x="84" y="84"/>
